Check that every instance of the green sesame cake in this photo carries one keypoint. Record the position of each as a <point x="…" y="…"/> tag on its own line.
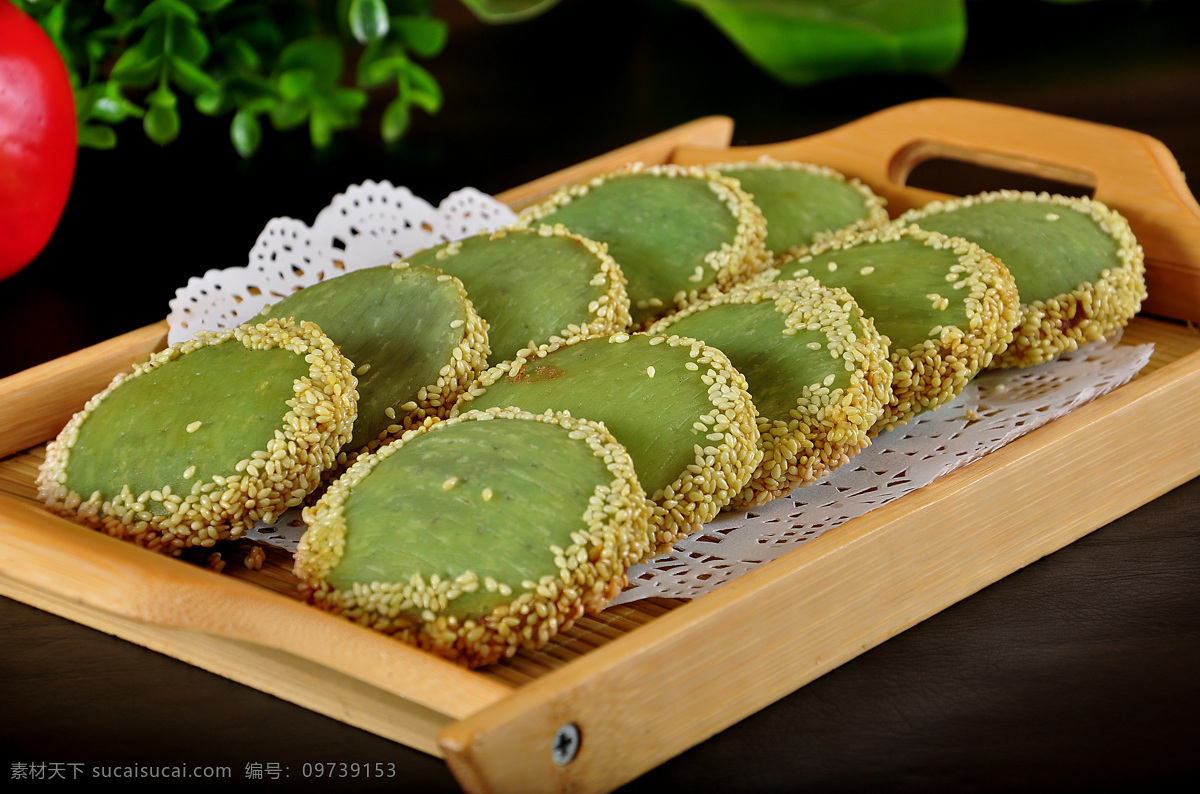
<point x="676" y="404"/>
<point x="534" y="285"/>
<point x="479" y="535"/>
<point x="1080" y="272"/>
<point x="679" y="234"/>
<point x="206" y="438"/>
<point x="818" y="373"/>
<point x="415" y="339"/>
<point x="947" y="306"/>
<point x="802" y="202"/>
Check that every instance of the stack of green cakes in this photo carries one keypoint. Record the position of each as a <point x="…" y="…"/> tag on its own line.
<point x="487" y="436"/>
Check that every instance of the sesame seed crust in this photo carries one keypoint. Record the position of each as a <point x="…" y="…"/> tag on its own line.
<point x="828" y="424"/>
<point x="397" y="409"/>
<point x="608" y="310"/>
<point x="720" y="467"/>
<point x="433" y="402"/>
<point x="874" y="212"/>
<point x="1051" y="325"/>
<point x="588" y="573"/>
<point x="935" y="371"/>
<point x="735" y="260"/>
<point x="260" y="487"/>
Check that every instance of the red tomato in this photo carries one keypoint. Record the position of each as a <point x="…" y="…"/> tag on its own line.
<point x="37" y="138"/>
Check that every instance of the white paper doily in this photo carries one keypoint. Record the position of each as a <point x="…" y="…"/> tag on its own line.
<point x="371" y="224"/>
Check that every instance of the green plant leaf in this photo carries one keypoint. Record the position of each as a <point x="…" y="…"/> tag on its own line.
<point x="189" y="42"/>
<point x="161" y="10"/>
<point x="162" y="96"/>
<point x="190" y="77"/>
<point x="322" y="56"/>
<point x="297" y="83"/>
<point x="425" y="36"/>
<point x="259" y="102"/>
<point x="345" y="104"/>
<point x="289" y="114"/>
<point x="161" y="122"/>
<point x="801" y="42"/>
<point x="96" y="136"/>
<point x="508" y="10"/>
<point x="381" y="70"/>
<point x="55" y="23"/>
<point x="109" y="105"/>
<point x="423" y="89"/>
<point x="215" y="102"/>
<point x="368" y="20"/>
<point x="240" y="55"/>
<point x="136" y="67"/>
<point x="241" y="93"/>
<point x="320" y="130"/>
<point x="86" y="98"/>
<point x="276" y="60"/>
<point x="245" y="132"/>
<point x="95" y="51"/>
<point x="396" y="117"/>
<point x="371" y="53"/>
<point x="154" y="37"/>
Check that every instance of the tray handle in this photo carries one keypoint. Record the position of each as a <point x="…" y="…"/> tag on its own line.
<point x="1129" y="171"/>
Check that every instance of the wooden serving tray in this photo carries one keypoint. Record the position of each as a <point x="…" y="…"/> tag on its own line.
<point x="739" y="648"/>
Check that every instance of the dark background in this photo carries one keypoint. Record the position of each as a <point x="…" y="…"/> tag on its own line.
<point x="1078" y="673"/>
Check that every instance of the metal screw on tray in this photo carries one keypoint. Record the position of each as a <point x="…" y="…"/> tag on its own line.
<point x="566" y="744"/>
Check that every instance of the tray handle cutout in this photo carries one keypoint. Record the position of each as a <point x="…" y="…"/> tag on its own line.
<point x="932" y="166"/>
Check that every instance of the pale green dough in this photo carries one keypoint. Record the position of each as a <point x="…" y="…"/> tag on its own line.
<point x="409" y="516"/>
<point x="607" y="382"/>
<point x="1050" y="250"/>
<point x="398" y="322"/>
<point x="659" y="230"/>
<point x="799" y="204"/>
<point x="138" y="435"/>
<point x="777" y="367"/>
<point x="527" y="286"/>
<point x="894" y="291"/>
